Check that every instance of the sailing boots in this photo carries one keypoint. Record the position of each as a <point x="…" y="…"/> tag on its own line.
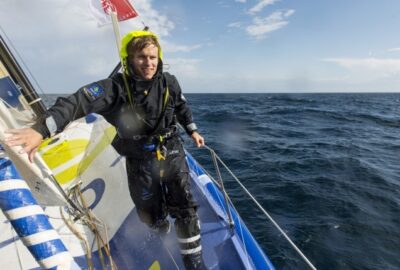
<point x="162" y="227"/>
<point x="188" y="232"/>
<point x="194" y="261"/>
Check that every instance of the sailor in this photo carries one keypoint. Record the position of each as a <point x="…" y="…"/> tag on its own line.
<point x="145" y="105"/>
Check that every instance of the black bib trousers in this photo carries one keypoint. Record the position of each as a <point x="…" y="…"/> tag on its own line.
<point x="162" y="187"/>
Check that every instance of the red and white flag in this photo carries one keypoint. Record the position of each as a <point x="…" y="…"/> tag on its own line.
<point x="101" y="10"/>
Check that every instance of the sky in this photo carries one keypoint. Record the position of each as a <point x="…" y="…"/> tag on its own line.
<point x="246" y="46"/>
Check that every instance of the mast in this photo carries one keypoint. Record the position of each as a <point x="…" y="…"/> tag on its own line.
<point x="18" y="75"/>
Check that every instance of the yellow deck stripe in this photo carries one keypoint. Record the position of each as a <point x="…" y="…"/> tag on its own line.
<point x="67" y="150"/>
<point x="64" y="151"/>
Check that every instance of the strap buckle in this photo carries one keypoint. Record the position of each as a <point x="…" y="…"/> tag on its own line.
<point x="161" y="153"/>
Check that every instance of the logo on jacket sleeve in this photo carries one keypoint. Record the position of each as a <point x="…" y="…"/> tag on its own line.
<point x="93" y="91"/>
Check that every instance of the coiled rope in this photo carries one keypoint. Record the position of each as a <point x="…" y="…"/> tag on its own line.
<point x="92" y="222"/>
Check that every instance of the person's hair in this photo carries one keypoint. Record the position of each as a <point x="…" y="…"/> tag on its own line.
<point x="139" y="43"/>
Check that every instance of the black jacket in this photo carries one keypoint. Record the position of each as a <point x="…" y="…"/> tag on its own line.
<point x="109" y="98"/>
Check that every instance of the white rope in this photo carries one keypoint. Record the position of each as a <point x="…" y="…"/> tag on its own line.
<point x="34" y="101"/>
<point x="265" y="212"/>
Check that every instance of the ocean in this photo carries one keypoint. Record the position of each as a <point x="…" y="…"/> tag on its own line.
<point x="326" y="167"/>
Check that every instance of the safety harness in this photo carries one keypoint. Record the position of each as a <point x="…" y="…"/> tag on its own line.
<point x="153" y="142"/>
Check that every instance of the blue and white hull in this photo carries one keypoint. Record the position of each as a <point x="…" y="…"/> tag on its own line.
<point x="132" y="244"/>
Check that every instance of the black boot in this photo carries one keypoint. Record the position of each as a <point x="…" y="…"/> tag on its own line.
<point x="162" y="227"/>
<point x="194" y="261"/>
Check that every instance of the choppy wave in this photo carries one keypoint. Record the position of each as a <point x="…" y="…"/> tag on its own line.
<point x="325" y="166"/>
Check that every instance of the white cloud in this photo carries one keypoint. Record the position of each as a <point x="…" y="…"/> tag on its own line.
<point x="235" y="24"/>
<point x="273" y="22"/>
<point x="184" y="68"/>
<point x="241" y="1"/>
<point x="369" y="68"/>
<point x="172" y="47"/>
<point x="62" y="45"/>
<point x="260" y="5"/>
<point x="157" y="22"/>
<point x="394" y="50"/>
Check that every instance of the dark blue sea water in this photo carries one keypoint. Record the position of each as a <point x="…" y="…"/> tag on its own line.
<point x="325" y="166"/>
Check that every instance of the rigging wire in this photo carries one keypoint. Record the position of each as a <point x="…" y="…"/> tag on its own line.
<point x="307" y="261"/>
<point x="10" y="43"/>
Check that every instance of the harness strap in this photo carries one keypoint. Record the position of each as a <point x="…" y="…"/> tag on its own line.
<point x="128" y="89"/>
<point x="171" y="132"/>
<point x="160" y="153"/>
<point x="165" y="102"/>
<point x="131" y="99"/>
<point x="160" y="156"/>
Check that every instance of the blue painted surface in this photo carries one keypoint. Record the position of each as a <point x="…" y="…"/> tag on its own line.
<point x="9" y="92"/>
<point x="27" y="225"/>
<point x="46" y="249"/>
<point x="134" y="246"/>
<point x="6" y="170"/>
<point x="257" y="255"/>
<point x="11" y="199"/>
<point x="90" y="118"/>
<point x="31" y="225"/>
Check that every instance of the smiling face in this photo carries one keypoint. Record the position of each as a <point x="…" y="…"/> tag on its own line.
<point x="145" y="62"/>
<point x="144" y="55"/>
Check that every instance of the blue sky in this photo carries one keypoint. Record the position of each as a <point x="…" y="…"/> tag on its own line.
<point x="220" y="46"/>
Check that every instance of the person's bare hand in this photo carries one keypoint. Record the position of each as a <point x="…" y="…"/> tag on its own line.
<point x="198" y="139"/>
<point x="28" y="138"/>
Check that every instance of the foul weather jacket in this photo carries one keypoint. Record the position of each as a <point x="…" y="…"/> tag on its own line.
<point x="150" y="110"/>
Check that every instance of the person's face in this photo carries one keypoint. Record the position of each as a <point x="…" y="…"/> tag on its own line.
<point x="145" y="62"/>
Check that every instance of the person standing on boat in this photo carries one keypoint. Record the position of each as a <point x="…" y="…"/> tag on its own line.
<point x="145" y="105"/>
